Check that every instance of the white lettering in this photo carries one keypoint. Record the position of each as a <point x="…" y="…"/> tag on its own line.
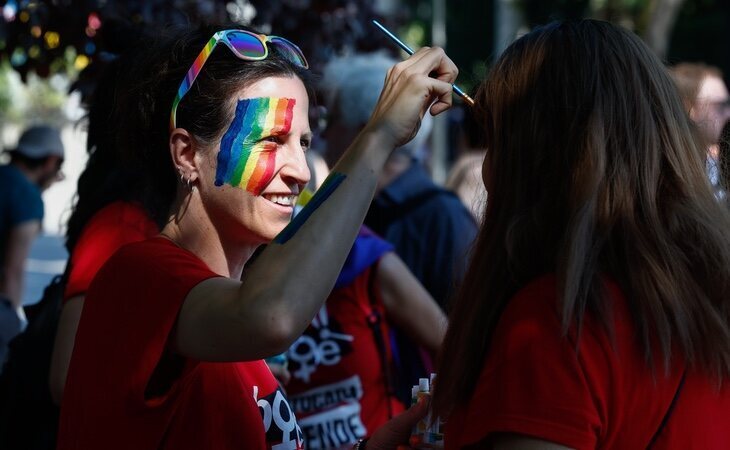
<point x="307" y="353"/>
<point x="334" y="428"/>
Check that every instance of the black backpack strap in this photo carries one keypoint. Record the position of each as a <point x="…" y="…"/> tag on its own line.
<point x="668" y="414"/>
<point x="375" y="320"/>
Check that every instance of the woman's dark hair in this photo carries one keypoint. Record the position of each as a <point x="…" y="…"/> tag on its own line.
<point x="594" y="170"/>
<point x="108" y="176"/>
<point x="204" y="111"/>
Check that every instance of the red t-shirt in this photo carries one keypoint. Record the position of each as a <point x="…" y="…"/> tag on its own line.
<point x="126" y="390"/>
<point x="337" y="387"/>
<point x="603" y="396"/>
<point x="116" y="224"/>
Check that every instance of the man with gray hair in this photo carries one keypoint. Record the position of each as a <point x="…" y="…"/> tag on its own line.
<point x="431" y="230"/>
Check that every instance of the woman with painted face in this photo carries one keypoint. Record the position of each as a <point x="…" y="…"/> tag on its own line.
<point x="169" y="345"/>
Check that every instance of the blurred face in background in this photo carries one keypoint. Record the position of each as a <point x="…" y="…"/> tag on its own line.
<point x="711" y="109"/>
<point x="50" y="172"/>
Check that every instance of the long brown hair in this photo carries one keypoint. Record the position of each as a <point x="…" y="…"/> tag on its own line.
<point x="594" y="168"/>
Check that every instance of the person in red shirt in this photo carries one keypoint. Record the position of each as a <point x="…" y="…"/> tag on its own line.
<point x="168" y="352"/>
<point x="596" y="309"/>
<point x="108" y="212"/>
<point x="340" y="371"/>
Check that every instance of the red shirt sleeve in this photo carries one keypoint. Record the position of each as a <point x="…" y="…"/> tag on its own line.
<point x="533" y="382"/>
<point x="115" y="225"/>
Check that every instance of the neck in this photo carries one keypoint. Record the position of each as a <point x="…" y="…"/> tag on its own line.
<point x="190" y="228"/>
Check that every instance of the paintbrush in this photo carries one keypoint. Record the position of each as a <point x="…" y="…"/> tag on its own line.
<point x="408" y="50"/>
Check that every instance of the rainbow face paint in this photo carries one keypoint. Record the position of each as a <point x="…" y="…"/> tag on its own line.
<point x="244" y="160"/>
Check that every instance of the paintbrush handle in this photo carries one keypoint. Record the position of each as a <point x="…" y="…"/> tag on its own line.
<point x="408" y="50"/>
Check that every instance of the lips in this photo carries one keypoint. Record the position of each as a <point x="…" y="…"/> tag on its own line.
<point x="286" y="200"/>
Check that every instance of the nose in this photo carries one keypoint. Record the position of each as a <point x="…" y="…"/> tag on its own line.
<point x="294" y="169"/>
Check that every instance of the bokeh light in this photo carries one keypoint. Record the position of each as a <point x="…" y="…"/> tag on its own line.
<point x="52" y="39"/>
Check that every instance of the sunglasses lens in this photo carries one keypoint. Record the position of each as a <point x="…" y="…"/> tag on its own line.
<point x="246" y="45"/>
<point x="290" y="51"/>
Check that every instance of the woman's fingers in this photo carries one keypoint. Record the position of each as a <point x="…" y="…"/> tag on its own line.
<point x="437" y="64"/>
<point x="411" y="87"/>
<point x="397" y="430"/>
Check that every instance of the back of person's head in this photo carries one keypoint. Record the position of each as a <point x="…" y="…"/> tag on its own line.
<point x="593" y="169"/>
<point x="472" y="130"/>
<point x="351" y="86"/>
<point x="205" y="111"/>
<point x="109" y="175"/>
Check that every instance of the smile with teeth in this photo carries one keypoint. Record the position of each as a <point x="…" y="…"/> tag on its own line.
<point x="283" y="200"/>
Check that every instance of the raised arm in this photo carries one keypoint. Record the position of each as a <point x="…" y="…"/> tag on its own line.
<point x="227" y="320"/>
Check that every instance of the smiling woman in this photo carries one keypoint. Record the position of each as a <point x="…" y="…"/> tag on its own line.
<point x="169" y="345"/>
<point x="259" y="162"/>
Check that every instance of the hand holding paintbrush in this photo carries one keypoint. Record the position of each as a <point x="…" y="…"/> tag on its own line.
<point x="408" y="50"/>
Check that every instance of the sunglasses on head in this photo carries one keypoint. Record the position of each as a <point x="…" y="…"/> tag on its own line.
<point x="245" y="45"/>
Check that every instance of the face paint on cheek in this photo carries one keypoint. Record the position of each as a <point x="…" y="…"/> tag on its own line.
<point x="244" y="160"/>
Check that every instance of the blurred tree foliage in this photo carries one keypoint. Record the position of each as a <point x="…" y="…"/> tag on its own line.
<point x="702" y="33"/>
<point x="5" y="98"/>
<point x="50" y="36"/>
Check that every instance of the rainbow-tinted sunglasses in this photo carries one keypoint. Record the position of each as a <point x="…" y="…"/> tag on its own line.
<point x="244" y="44"/>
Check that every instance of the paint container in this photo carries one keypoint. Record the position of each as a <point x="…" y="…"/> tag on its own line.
<point x="434" y="437"/>
<point x="420" y="430"/>
<point x="414" y="394"/>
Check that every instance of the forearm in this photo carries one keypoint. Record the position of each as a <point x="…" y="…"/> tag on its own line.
<point x="63" y="346"/>
<point x="19" y="241"/>
<point x="290" y="280"/>
<point x="409" y="306"/>
<point x="11" y="286"/>
<point x="426" y="327"/>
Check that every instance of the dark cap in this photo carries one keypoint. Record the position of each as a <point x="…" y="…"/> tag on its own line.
<point x="40" y="141"/>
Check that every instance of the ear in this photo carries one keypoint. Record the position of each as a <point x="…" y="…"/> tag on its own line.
<point x="182" y="150"/>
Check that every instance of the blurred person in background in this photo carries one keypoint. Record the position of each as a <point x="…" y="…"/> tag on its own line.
<point x="35" y="164"/>
<point x="707" y="101"/>
<point x="347" y="346"/>
<point x="428" y="226"/>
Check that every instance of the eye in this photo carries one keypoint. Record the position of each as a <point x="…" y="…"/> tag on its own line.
<point x="305" y="143"/>
<point x="275" y="139"/>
